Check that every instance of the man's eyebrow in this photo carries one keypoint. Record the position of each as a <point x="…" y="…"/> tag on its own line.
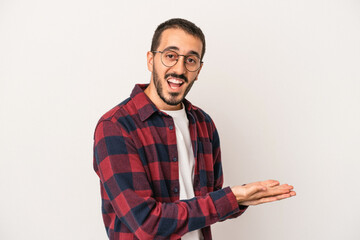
<point x="195" y="53"/>
<point x="171" y="48"/>
<point x="177" y="49"/>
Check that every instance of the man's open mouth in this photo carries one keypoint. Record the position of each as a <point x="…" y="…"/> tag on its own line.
<point x="175" y="83"/>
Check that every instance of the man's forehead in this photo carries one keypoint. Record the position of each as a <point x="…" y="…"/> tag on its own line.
<point x="178" y="39"/>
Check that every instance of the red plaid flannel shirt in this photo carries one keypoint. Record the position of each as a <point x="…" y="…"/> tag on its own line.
<point x="135" y="156"/>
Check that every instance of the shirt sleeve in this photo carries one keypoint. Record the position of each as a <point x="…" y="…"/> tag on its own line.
<point x="123" y="176"/>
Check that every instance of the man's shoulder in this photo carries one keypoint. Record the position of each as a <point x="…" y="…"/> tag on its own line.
<point x="123" y="116"/>
<point x="120" y="110"/>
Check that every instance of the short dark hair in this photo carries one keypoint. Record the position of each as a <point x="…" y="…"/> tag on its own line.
<point x="179" y="23"/>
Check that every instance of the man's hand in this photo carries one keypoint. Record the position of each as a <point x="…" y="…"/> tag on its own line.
<point x="262" y="192"/>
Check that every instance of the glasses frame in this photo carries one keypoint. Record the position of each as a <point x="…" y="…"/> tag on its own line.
<point x="185" y="58"/>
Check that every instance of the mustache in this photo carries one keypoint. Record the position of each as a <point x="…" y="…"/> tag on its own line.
<point x="174" y="75"/>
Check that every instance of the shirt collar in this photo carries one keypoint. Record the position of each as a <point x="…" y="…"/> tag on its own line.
<point x="145" y="106"/>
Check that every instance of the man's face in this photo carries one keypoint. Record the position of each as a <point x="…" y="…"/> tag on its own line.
<point x="173" y="83"/>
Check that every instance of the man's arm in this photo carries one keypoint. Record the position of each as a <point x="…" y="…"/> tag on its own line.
<point x="123" y="176"/>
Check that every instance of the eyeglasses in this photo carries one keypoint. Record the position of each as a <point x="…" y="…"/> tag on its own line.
<point x="170" y="58"/>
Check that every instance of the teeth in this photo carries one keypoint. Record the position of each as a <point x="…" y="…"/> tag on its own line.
<point x="172" y="80"/>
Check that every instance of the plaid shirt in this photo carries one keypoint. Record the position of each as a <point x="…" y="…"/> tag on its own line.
<point x="135" y="156"/>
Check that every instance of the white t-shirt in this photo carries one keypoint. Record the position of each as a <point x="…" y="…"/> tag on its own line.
<point x="186" y="162"/>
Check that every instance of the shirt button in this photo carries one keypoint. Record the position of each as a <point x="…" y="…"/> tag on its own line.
<point x="171" y="127"/>
<point x="176" y="190"/>
<point x="174" y="159"/>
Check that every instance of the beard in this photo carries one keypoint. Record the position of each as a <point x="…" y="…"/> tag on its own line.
<point x="174" y="98"/>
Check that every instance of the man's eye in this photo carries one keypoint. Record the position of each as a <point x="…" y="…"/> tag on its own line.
<point x="191" y="60"/>
<point x="171" y="56"/>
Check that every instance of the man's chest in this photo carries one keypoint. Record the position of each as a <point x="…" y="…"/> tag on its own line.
<point x="156" y="144"/>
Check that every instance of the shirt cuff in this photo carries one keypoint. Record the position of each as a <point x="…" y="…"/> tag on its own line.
<point x="226" y="204"/>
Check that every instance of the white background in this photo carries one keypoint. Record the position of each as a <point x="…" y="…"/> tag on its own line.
<point x="280" y="79"/>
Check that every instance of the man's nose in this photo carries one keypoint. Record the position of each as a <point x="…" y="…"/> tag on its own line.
<point x="179" y="66"/>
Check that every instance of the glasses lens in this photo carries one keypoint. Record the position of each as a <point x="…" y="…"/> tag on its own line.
<point x="192" y="63"/>
<point x="169" y="58"/>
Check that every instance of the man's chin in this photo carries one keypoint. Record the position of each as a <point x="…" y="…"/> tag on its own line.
<point x="173" y="101"/>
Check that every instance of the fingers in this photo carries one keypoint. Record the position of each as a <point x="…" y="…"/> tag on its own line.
<point x="282" y="189"/>
<point x="262" y="192"/>
<point x="278" y="197"/>
<point x="269" y="199"/>
<point x="274" y="191"/>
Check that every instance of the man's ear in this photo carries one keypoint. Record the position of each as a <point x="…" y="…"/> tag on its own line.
<point x="150" y="60"/>
<point x="196" y="78"/>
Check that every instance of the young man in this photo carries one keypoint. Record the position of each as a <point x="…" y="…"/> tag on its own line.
<point x="158" y="156"/>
